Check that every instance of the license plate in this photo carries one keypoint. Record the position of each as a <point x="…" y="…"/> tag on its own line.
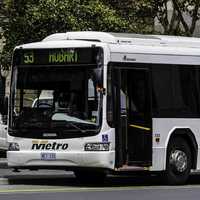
<point x="48" y="156"/>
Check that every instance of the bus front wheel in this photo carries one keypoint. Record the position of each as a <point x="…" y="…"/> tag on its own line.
<point x="179" y="162"/>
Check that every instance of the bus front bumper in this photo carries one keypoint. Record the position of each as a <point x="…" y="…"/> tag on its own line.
<point x="64" y="160"/>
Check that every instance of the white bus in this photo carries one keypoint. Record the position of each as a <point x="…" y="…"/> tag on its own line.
<point x="120" y="102"/>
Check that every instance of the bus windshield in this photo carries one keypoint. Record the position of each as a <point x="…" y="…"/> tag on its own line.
<point x="55" y="98"/>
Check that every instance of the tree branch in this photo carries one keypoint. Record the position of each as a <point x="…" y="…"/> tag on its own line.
<point x="194" y="17"/>
<point x="185" y="25"/>
<point x="164" y="17"/>
<point x="174" y="21"/>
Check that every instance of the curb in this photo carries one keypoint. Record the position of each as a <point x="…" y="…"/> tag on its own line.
<point x="4" y="181"/>
<point x="3" y="164"/>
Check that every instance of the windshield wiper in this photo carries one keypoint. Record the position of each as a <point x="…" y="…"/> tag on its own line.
<point x="64" y="123"/>
<point x="76" y="127"/>
<point x="87" y="125"/>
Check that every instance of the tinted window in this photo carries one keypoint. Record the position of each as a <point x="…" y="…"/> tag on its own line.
<point x="175" y="91"/>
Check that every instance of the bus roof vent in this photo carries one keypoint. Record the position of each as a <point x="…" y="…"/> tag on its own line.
<point x="55" y="37"/>
<point x="83" y="35"/>
<point x="126" y="38"/>
<point x="92" y="36"/>
<point x="113" y="38"/>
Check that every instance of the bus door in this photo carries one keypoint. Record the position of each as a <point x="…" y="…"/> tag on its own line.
<point x="131" y="92"/>
<point x="139" y="121"/>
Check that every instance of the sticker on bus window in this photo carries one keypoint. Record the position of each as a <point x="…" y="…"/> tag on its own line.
<point x="104" y="138"/>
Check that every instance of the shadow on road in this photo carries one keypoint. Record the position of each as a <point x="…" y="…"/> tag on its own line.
<point x="111" y="180"/>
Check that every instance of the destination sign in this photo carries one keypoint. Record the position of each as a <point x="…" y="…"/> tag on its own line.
<point x="57" y="56"/>
<point x="63" y="57"/>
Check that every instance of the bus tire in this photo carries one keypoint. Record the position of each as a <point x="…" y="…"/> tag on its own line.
<point x="179" y="162"/>
<point x="87" y="176"/>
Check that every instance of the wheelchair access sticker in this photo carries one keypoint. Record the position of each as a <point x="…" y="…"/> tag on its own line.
<point x="104" y="138"/>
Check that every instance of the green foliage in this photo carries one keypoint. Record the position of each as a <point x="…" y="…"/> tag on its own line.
<point x="32" y="20"/>
<point x="140" y="14"/>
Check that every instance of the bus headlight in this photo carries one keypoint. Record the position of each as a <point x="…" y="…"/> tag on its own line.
<point x="97" y="146"/>
<point x="13" y="147"/>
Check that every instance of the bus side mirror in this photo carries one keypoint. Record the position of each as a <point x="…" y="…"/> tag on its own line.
<point x="4" y="105"/>
<point x="98" y="75"/>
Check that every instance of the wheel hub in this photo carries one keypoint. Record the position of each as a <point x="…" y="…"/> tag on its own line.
<point x="178" y="159"/>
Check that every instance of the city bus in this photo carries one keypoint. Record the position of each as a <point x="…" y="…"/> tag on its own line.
<point x="118" y="103"/>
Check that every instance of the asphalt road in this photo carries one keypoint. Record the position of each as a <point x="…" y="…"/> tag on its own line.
<point x="129" y="194"/>
<point x="98" y="193"/>
<point x="58" y="185"/>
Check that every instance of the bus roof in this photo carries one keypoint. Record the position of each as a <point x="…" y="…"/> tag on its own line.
<point x="127" y="38"/>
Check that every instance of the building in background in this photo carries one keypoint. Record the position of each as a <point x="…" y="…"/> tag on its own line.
<point x="159" y="28"/>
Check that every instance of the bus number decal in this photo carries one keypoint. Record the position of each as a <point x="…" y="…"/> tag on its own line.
<point x="28" y="58"/>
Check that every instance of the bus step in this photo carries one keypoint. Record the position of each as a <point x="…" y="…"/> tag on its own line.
<point x="132" y="168"/>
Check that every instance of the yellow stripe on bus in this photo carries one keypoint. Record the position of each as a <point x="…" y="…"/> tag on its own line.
<point x="140" y="127"/>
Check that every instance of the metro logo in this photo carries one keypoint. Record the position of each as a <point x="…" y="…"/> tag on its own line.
<point x="44" y="145"/>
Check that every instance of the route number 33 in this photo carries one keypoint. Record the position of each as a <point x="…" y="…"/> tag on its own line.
<point x="28" y="58"/>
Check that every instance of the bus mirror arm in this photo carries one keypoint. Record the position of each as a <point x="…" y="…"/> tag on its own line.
<point x="4" y="105"/>
<point x="98" y="77"/>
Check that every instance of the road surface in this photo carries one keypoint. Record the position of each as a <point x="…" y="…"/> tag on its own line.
<point x="60" y="185"/>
